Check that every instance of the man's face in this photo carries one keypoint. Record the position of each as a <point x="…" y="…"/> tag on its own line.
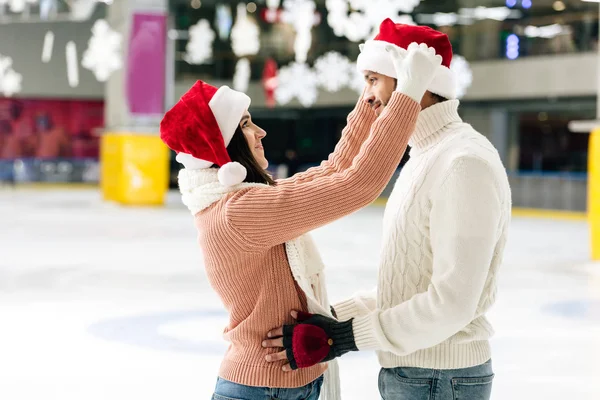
<point x="378" y="90"/>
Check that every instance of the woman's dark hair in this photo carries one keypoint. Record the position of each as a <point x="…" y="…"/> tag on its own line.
<point x="239" y="151"/>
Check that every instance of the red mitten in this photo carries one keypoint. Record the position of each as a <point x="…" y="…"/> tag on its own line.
<point x="316" y="339"/>
<point x="309" y="344"/>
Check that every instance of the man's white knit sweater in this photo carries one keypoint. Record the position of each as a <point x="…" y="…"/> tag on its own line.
<point x="444" y="232"/>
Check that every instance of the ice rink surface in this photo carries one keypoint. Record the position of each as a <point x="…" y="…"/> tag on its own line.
<point x="99" y="301"/>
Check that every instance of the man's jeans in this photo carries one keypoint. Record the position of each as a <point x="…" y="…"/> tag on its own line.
<point x="473" y="383"/>
<point x="226" y="390"/>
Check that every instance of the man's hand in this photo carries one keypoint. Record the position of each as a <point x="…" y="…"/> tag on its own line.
<point x="313" y="340"/>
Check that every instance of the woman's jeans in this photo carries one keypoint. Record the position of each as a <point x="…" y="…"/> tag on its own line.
<point x="473" y="383"/>
<point x="226" y="390"/>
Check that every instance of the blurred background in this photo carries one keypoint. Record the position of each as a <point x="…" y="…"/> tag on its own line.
<point x="102" y="290"/>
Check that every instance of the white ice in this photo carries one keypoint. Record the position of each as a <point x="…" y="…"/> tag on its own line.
<point x="99" y="301"/>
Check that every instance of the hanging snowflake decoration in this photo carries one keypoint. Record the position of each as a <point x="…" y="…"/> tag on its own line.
<point x="245" y="41"/>
<point x="360" y="19"/>
<point x="10" y="81"/>
<point x="81" y="10"/>
<point x="272" y="12"/>
<point x="333" y="71"/>
<point x="48" y="46"/>
<point x="296" y="80"/>
<point x="301" y="15"/>
<point x="17" y="6"/>
<point x="199" y="46"/>
<point x="357" y="79"/>
<point x="103" y="55"/>
<point x="223" y="21"/>
<point x="47" y="8"/>
<point x="241" y="78"/>
<point x="72" y="67"/>
<point x="245" y="34"/>
<point x="464" y="76"/>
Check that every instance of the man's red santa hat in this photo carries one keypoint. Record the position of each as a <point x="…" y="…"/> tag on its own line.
<point x="373" y="56"/>
<point x="200" y="127"/>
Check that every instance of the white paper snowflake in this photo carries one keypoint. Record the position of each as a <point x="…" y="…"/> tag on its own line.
<point x="333" y="71"/>
<point x="357" y="79"/>
<point x="103" y="55"/>
<point x="48" y="47"/>
<point x="10" y="81"/>
<point x="199" y="46"/>
<point x="360" y="19"/>
<point x="464" y="76"/>
<point x="17" y="6"/>
<point x="241" y="78"/>
<point x="48" y="7"/>
<point x="72" y="67"/>
<point x="296" y="80"/>
<point x="223" y="21"/>
<point x="82" y="10"/>
<point x="245" y="34"/>
<point x="301" y="15"/>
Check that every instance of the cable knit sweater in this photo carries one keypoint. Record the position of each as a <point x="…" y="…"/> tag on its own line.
<point x="444" y="232"/>
<point x="243" y="232"/>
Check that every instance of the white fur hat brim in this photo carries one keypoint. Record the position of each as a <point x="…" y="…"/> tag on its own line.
<point x="228" y="107"/>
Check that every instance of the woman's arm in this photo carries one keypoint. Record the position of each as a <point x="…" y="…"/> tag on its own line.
<point x="267" y="216"/>
<point x="357" y="130"/>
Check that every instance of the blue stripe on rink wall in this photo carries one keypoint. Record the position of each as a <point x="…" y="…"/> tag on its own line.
<point x="143" y="331"/>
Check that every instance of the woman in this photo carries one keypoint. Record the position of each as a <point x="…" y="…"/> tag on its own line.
<point x="252" y="230"/>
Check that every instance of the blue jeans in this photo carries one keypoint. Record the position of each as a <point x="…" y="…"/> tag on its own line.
<point x="226" y="390"/>
<point x="473" y="383"/>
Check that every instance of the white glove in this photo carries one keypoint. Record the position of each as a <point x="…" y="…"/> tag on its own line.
<point x="415" y="70"/>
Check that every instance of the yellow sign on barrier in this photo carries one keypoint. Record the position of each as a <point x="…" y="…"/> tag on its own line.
<point x="594" y="193"/>
<point x="134" y="169"/>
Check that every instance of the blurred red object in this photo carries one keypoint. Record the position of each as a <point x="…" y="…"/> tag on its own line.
<point x="269" y="81"/>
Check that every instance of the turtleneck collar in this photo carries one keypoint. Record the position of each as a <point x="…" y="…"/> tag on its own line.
<point x="432" y="121"/>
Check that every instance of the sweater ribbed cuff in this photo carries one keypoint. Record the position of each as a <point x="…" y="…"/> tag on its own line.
<point x="364" y="108"/>
<point x="400" y="102"/>
<point x="365" y="332"/>
<point x="341" y="333"/>
<point x="345" y="310"/>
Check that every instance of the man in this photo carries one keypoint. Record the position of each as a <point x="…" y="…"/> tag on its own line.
<point x="444" y="231"/>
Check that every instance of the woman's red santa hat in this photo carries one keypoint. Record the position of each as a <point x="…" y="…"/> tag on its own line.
<point x="200" y="127"/>
<point x="373" y="56"/>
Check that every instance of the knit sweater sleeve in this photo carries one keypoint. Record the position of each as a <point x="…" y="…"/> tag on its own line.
<point x="362" y="303"/>
<point x="357" y="129"/>
<point x="465" y="222"/>
<point x="272" y="215"/>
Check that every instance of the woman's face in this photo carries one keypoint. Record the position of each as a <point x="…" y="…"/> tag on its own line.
<point x="254" y="135"/>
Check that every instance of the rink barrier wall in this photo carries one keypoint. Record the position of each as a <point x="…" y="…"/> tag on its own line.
<point x="520" y="212"/>
<point x="528" y="212"/>
<point x="594" y="193"/>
